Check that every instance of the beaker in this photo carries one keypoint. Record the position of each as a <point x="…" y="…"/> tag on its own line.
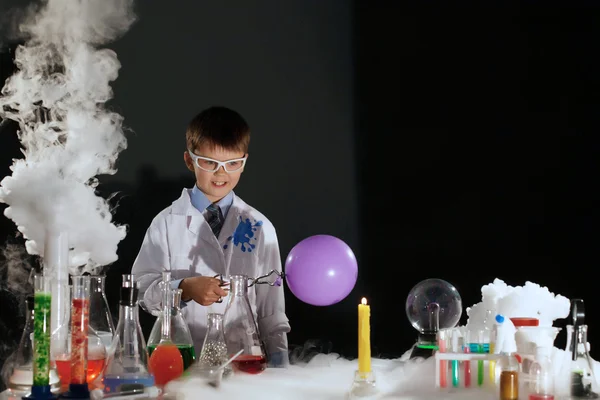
<point x="101" y="320"/>
<point x="583" y="382"/>
<point x="21" y="362"/>
<point x="241" y="330"/>
<point x="166" y="362"/>
<point x="96" y="351"/>
<point x="127" y="362"/>
<point x="180" y="332"/>
<point x="214" y="348"/>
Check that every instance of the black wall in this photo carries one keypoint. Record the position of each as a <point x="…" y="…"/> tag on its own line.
<point x="457" y="142"/>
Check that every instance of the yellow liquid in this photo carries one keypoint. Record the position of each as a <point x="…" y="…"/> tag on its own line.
<point x="492" y="364"/>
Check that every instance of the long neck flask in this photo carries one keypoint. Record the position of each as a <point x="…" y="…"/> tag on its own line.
<point x="241" y="330"/>
<point x="179" y="331"/>
<point x="214" y="348"/>
<point x="127" y="365"/>
<point x="101" y="320"/>
<point x="583" y="382"/>
<point x="166" y="362"/>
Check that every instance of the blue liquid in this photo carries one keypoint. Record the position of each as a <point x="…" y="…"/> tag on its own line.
<point x="114" y="384"/>
<point x="479" y="347"/>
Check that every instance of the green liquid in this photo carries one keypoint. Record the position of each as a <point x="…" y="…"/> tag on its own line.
<point x="41" y="339"/>
<point x="187" y="353"/>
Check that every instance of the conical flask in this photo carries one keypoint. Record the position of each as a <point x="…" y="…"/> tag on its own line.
<point x="18" y="368"/>
<point x="214" y="348"/>
<point x="127" y="362"/>
<point x="241" y="330"/>
<point x="63" y="336"/>
<point x="101" y="320"/>
<point x="180" y="332"/>
<point x="583" y="382"/>
<point x="166" y="362"/>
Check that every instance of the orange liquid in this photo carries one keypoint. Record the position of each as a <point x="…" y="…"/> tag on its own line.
<point x="166" y="363"/>
<point x="94" y="369"/>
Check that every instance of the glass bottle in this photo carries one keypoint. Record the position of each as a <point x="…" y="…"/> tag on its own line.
<point x="101" y="320"/>
<point x="582" y="381"/>
<point x="241" y="330"/>
<point x="214" y="348"/>
<point x="127" y="363"/>
<point x="19" y="366"/>
<point x="180" y="332"/>
<point x="541" y="375"/>
<point x="509" y="376"/>
<point x="166" y="362"/>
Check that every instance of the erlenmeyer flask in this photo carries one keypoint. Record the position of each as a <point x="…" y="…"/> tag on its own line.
<point x="96" y="351"/>
<point x="180" y="332"/>
<point x="127" y="363"/>
<point x="214" y="348"/>
<point x="101" y="320"/>
<point x="583" y="382"/>
<point x="21" y="362"/>
<point x="166" y="361"/>
<point x="241" y="330"/>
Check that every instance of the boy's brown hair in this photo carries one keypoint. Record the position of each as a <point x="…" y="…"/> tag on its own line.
<point x="219" y="127"/>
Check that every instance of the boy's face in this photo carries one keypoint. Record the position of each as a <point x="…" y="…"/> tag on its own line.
<point x="215" y="185"/>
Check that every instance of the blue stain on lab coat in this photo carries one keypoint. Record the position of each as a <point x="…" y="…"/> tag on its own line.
<point x="243" y="234"/>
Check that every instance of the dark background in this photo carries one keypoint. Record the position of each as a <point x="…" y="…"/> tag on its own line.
<point x="457" y="142"/>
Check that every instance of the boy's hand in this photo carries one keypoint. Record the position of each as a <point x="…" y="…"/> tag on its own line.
<point x="204" y="290"/>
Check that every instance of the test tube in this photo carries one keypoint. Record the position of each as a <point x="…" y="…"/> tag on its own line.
<point x="480" y="349"/>
<point x="80" y="311"/>
<point x="455" y="363"/>
<point x="467" y="349"/>
<point x="442" y="337"/>
<point x="41" y="331"/>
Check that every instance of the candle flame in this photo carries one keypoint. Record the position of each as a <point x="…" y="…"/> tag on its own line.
<point x="364" y="301"/>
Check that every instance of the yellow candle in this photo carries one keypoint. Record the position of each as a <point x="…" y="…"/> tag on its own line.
<point x="364" y="337"/>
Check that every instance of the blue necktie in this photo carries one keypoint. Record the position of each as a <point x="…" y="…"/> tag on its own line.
<point x="215" y="218"/>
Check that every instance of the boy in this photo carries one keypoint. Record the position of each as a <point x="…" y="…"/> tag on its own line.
<point x="192" y="237"/>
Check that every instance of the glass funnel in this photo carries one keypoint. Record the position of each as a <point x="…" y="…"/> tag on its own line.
<point x="19" y="366"/>
<point x="180" y="332"/>
<point x="241" y="330"/>
<point x="101" y="320"/>
<point x="127" y="363"/>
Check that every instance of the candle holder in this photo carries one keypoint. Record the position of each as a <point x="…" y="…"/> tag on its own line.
<point x="364" y="386"/>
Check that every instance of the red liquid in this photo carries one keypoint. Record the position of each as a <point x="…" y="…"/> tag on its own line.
<point x="79" y="339"/>
<point x="541" y="397"/>
<point x="250" y="364"/>
<point x="94" y="369"/>
<point x="166" y="363"/>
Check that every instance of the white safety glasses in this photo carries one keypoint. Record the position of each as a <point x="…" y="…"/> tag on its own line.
<point x="210" y="165"/>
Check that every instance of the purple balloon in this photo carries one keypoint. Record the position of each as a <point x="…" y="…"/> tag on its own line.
<point x="321" y="270"/>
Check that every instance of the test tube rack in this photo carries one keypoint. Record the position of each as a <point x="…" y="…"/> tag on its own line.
<point x="445" y="372"/>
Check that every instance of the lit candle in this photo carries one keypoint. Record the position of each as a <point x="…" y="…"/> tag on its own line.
<point x="364" y="337"/>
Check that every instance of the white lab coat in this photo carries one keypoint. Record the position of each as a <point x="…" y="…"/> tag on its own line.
<point x="181" y="241"/>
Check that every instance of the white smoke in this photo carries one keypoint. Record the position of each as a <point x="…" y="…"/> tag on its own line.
<point x="68" y="136"/>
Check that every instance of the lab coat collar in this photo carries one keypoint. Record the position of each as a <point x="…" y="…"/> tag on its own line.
<point x="195" y="220"/>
